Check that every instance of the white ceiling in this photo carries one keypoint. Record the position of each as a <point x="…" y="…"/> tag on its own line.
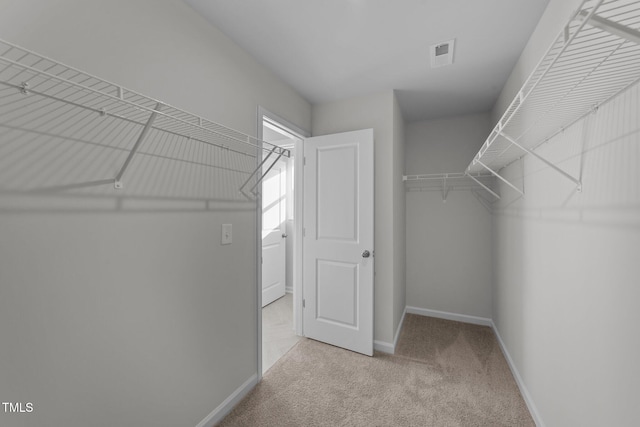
<point x="334" y="49"/>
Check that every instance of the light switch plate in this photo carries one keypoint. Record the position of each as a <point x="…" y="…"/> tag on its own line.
<point x="227" y="234"/>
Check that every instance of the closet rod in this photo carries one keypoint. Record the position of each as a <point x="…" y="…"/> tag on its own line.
<point x="440" y="176"/>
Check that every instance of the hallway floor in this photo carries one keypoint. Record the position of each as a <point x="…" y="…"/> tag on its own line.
<point x="277" y="330"/>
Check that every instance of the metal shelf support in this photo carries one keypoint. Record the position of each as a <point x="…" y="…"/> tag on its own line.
<point x="255" y="171"/>
<point x="543" y="160"/>
<point x="262" y="176"/>
<point x="610" y="26"/>
<point x="281" y="152"/>
<point x="141" y="138"/>
<point x="483" y="186"/>
<point x="445" y="190"/>
<point x="497" y="175"/>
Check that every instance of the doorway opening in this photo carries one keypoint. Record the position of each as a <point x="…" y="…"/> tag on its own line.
<point x="278" y="325"/>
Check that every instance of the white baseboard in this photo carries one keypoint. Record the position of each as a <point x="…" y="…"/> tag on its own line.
<point x="383" y="346"/>
<point x="523" y="389"/>
<point x="229" y="403"/>
<point x="387" y="347"/>
<point x="288" y="290"/>
<point x="484" y="321"/>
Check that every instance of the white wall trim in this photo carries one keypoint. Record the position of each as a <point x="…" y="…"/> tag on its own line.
<point x="383" y="346"/>
<point x="475" y="320"/>
<point x="296" y="288"/>
<point x="229" y="403"/>
<point x="298" y="247"/>
<point x="387" y="347"/>
<point x="533" y="410"/>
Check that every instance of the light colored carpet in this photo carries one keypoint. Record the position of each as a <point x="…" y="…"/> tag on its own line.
<point x="444" y="374"/>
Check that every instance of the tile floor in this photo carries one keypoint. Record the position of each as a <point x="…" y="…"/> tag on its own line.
<point x="277" y="330"/>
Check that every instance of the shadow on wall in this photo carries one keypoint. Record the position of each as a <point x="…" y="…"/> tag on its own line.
<point x="603" y="150"/>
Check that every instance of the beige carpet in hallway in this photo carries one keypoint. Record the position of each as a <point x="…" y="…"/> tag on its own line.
<point x="444" y="374"/>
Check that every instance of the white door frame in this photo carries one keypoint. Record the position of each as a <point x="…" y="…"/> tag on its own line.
<point x="275" y="248"/>
<point x="297" y="243"/>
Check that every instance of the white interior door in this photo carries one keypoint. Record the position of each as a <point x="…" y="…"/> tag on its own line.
<point x="338" y="240"/>
<point x="274" y="255"/>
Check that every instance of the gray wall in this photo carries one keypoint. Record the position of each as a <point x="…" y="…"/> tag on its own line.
<point x="449" y="264"/>
<point x="566" y="263"/>
<point x="399" y="220"/>
<point x="375" y="111"/>
<point x="120" y="317"/>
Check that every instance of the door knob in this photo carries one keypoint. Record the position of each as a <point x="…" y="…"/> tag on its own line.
<point x="284" y="235"/>
<point x="366" y="254"/>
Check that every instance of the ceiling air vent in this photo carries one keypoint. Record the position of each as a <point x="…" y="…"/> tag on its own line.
<point x="442" y="54"/>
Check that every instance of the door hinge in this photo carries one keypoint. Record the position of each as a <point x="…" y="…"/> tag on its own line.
<point x="304" y="232"/>
<point x="303" y="303"/>
<point x="304" y="161"/>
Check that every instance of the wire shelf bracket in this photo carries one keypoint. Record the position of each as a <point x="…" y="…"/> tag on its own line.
<point x="543" y="160"/>
<point x="595" y="57"/>
<point x="610" y="26"/>
<point x="487" y="189"/>
<point x="501" y="178"/>
<point x="252" y="192"/>
<point x="484" y="202"/>
<point x="118" y="180"/>
<point x="445" y="189"/>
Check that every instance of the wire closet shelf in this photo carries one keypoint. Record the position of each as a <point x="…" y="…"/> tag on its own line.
<point x="595" y="57"/>
<point x="62" y="129"/>
<point x="446" y="182"/>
